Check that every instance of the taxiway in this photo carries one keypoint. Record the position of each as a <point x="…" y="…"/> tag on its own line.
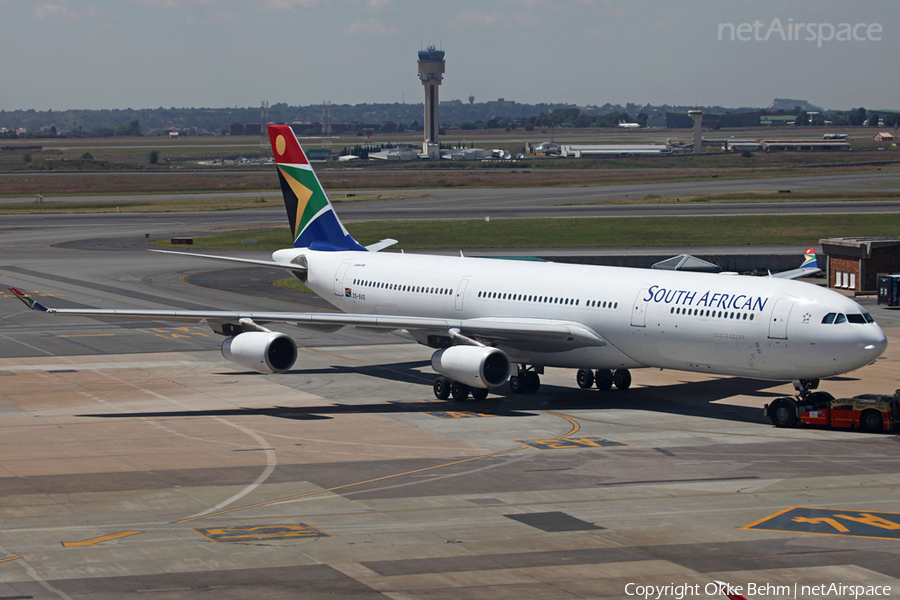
<point x="135" y="462"/>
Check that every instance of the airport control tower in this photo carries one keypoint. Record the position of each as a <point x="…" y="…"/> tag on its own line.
<point x="431" y="71"/>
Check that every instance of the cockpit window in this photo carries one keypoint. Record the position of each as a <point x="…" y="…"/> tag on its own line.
<point x="859" y="319"/>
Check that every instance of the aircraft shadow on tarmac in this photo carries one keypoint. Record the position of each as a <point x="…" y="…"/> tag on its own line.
<point x="696" y="398"/>
<point x="403" y="372"/>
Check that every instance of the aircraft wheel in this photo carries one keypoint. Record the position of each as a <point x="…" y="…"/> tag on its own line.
<point x="516" y="384"/>
<point x="622" y="379"/>
<point x="479" y="394"/>
<point x="604" y="379"/>
<point x="585" y="378"/>
<point x="783" y="412"/>
<point x="533" y="380"/>
<point x="459" y="391"/>
<point x="871" y="421"/>
<point x="442" y="387"/>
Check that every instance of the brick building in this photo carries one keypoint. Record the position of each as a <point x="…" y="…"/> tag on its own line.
<point x="853" y="264"/>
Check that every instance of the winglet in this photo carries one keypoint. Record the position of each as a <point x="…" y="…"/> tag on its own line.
<point x="28" y="300"/>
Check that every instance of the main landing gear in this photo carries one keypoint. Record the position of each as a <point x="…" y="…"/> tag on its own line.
<point x="444" y="388"/>
<point x="604" y="378"/>
<point x="525" y="381"/>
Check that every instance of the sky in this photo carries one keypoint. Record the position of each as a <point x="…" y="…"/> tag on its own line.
<point x="73" y="54"/>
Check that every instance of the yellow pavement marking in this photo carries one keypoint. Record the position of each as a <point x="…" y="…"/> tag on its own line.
<point x="84" y="335"/>
<point x="98" y="540"/>
<point x="831" y="521"/>
<point x="261" y="532"/>
<point x="10" y="558"/>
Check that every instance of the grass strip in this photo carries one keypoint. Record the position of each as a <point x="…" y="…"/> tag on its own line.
<point x="150" y="204"/>
<point x="292" y="284"/>
<point x="589" y="232"/>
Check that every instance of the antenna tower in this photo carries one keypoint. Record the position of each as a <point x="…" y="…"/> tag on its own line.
<point x="264" y="145"/>
<point x="326" y="123"/>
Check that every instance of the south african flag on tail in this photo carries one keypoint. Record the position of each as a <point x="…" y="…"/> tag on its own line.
<point x="314" y="224"/>
<point x="809" y="259"/>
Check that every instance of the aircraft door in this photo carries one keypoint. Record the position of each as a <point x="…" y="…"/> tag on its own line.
<point x="461" y="293"/>
<point x="339" y="279"/>
<point x="779" y="322"/>
<point x="639" y="313"/>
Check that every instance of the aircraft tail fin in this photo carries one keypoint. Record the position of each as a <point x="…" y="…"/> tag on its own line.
<point x="809" y="259"/>
<point x="314" y="224"/>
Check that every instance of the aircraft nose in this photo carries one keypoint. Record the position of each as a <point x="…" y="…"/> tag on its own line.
<point x="872" y="342"/>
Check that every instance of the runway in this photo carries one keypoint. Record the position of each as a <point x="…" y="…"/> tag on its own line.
<point x="549" y="202"/>
<point x="135" y="462"/>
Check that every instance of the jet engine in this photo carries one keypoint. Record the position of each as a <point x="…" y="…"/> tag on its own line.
<point x="266" y="352"/>
<point x="475" y="366"/>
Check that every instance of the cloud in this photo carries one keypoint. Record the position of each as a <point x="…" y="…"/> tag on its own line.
<point x="58" y="11"/>
<point x="380" y="5"/>
<point x="289" y="4"/>
<point x="371" y="27"/>
<point x="164" y="4"/>
<point x="525" y="19"/>
<point x="472" y="17"/>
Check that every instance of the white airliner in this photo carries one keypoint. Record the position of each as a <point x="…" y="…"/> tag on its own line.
<point x="625" y="125"/>
<point x="482" y="315"/>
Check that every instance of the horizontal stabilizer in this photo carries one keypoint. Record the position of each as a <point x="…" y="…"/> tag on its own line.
<point x="246" y="261"/>
<point x="379" y="246"/>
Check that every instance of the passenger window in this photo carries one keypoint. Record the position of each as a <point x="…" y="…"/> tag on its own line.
<point x="840" y="319"/>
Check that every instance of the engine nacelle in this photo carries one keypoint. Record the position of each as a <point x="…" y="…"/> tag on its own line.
<point x="475" y="366"/>
<point x="266" y="352"/>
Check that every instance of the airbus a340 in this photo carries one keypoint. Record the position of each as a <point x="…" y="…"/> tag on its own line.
<point x="490" y="320"/>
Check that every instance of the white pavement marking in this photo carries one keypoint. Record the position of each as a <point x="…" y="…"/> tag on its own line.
<point x="271" y="460"/>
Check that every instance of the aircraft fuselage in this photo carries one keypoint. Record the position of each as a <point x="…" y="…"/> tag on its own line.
<point x="759" y="327"/>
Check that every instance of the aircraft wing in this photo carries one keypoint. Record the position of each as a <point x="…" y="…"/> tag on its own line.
<point x="521" y="333"/>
